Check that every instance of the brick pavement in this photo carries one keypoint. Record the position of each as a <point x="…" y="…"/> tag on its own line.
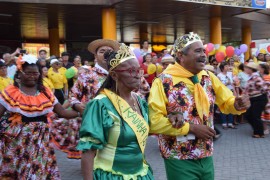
<point x="237" y="156"/>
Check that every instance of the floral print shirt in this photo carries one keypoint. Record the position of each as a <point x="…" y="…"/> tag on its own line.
<point x="171" y="95"/>
<point x="255" y="85"/>
<point x="181" y="100"/>
<point x="87" y="85"/>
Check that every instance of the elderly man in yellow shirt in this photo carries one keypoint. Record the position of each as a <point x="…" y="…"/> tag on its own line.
<point x="59" y="81"/>
<point x="4" y="80"/>
<point x="181" y="108"/>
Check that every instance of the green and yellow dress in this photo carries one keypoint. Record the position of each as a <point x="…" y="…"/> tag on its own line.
<point x="119" y="153"/>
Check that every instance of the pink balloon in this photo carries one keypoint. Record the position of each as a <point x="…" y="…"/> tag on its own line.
<point x="230" y="51"/>
<point x="210" y="47"/>
<point x="220" y="56"/>
<point x="140" y="59"/>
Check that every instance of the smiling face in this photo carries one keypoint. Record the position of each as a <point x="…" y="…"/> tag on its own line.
<point x="29" y="75"/>
<point x="128" y="74"/>
<point x="194" y="59"/>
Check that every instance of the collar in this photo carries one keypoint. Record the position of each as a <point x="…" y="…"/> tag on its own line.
<point x="101" y="69"/>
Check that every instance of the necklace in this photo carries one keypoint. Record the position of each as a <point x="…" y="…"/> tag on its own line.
<point x="134" y="104"/>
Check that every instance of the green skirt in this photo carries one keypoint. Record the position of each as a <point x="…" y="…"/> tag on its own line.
<point x="99" y="174"/>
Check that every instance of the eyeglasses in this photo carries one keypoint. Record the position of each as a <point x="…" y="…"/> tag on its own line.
<point x="31" y="73"/>
<point x="132" y="71"/>
<point x="3" y="67"/>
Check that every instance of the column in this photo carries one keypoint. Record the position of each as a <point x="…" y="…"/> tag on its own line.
<point x="215" y="30"/>
<point x="54" y="40"/>
<point x="215" y="25"/>
<point x="109" y="24"/>
<point x="246" y="39"/>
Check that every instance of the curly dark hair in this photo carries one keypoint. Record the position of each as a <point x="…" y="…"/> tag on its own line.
<point x="40" y="87"/>
<point x="109" y="83"/>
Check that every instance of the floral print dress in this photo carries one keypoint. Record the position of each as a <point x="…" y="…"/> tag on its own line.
<point x="25" y="150"/>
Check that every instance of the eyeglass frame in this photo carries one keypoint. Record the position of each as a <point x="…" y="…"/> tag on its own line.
<point x="138" y="71"/>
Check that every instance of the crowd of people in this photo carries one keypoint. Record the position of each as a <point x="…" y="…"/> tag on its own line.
<point x="104" y="114"/>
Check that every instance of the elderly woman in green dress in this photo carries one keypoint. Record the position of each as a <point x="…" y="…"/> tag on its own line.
<point x="115" y="124"/>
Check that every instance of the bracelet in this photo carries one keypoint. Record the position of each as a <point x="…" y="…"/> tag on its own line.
<point x="79" y="114"/>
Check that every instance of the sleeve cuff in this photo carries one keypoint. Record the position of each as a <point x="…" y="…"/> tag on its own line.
<point x="185" y="129"/>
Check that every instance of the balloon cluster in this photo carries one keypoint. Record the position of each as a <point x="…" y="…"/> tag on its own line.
<point x="222" y="51"/>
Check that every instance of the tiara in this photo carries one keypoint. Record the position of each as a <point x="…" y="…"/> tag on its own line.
<point x="123" y="54"/>
<point x="185" y="40"/>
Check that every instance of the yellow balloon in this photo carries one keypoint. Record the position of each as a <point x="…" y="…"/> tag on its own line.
<point x="159" y="69"/>
<point x="151" y="69"/>
<point x="212" y="52"/>
<point x="222" y="49"/>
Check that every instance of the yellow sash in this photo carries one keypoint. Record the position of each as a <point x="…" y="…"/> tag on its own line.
<point x="134" y="120"/>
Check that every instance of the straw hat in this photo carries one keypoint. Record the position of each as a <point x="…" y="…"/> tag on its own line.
<point x="252" y="65"/>
<point x="167" y="58"/>
<point x="94" y="45"/>
<point x="209" y="68"/>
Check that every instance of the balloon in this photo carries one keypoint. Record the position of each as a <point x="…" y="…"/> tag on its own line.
<point x="220" y="56"/>
<point x="268" y="48"/>
<point x="243" y="48"/>
<point x="230" y="51"/>
<point x="212" y="52"/>
<point x="70" y="73"/>
<point x="140" y="59"/>
<point x="151" y="69"/>
<point x="210" y="47"/>
<point x="137" y="52"/>
<point x="159" y="69"/>
<point x="237" y="51"/>
<point x="206" y="51"/>
<point x="257" y="52"/>
<point x="222" y="49"/>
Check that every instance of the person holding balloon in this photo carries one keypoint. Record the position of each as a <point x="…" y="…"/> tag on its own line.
<point x="149" y="68"/>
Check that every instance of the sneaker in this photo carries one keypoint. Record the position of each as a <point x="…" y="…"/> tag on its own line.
<point x="266" y="131"/>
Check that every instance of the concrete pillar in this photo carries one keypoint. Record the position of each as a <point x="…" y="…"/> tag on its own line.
<point x="215" y="25"/>
<point x="246" y="39"/>
<point x="54" y="40"/>
<point x="109" y="24"/>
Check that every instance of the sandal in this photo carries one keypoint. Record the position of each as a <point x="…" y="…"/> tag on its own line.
<point x="232" y="126"/>
<point x="256" y="136"/>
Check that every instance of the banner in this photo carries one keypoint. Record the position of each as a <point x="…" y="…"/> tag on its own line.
<point x="256" y="4"/>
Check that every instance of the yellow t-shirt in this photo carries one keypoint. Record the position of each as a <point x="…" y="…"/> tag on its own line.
<point x="48" y="83"/>
<point x="58" y="79"/>
<point x="4" y="82"/>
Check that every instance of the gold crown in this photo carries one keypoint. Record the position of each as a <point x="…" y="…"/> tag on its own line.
<point x="185" y="40"/>
<point x="123" y="54"/>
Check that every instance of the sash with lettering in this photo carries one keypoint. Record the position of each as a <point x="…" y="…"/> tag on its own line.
<point x="134" y="120"/>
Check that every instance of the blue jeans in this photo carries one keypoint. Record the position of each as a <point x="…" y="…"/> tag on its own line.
<point x="224" y="118"/>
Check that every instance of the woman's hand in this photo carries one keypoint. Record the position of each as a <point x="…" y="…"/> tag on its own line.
<point x="177" y="120"/>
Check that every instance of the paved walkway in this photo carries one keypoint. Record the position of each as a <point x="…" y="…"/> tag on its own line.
<point x="237" y="156"/>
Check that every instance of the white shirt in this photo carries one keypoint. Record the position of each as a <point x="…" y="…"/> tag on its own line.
<point x="11" y="70"/>
<point x="226" y="78"/>
<point x="104" y="71"/>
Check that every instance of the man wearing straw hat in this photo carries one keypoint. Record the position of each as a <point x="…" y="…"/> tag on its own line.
<point x="89" y="82"/>
<point x="181" y="108"/>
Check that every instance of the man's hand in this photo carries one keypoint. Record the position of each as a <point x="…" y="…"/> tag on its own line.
<point x="202" y="131"/>
<point x="242" y="102"/>
<point x="177" y="120"/>
<point x="80" y="108"/>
